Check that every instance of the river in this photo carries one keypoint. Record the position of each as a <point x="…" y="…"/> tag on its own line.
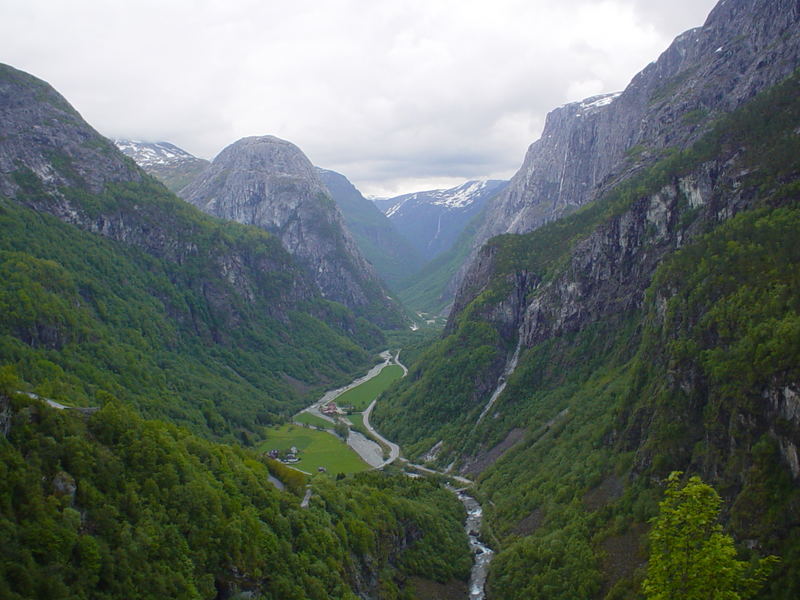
<point x="482" y="554"/>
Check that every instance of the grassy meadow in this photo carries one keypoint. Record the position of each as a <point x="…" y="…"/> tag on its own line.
<point x="360" y="396"/>
<point x="314" y="420"/>
<point x="316" y="449"/>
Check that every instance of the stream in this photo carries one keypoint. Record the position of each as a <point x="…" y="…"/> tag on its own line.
<point x="482" y="554"/>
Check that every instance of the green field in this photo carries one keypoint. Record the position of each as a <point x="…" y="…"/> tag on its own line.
<point x="357" y="419"/>
<point x="314" y="420"/>
<point x="362" y="395"/>
<point x="317" y="449"/>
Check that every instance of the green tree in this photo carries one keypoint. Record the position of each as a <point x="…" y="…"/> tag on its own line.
<point x="690" y="557"/>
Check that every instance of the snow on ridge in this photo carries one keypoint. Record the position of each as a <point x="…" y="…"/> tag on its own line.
<point x="460" y="196"/>
<point x="598" y="101"/>
<point x="152" y="153"/>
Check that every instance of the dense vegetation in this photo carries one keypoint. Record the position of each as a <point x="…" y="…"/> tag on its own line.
<point x="112" y="506"/>
<point x="690" y="557"/>
<point x="84" y="316"/>
<point x="693" y="378"/>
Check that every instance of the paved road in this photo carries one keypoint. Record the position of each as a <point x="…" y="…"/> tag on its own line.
<point x="394" y="449"/>
<point x="314" y="409"/>
<point x="366" y="448"/>
<point x="457" y="478"/>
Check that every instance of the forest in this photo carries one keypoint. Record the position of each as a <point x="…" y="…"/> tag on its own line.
<point x="593" y="418"/>
<point x="111" y="505"/>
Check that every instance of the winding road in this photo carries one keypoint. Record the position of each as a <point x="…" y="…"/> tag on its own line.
<point x="394" y="449"/>
<point x="330" y="395"/>
<point x="368" y="449"/>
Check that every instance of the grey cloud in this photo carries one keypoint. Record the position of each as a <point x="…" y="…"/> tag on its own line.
<point x="384" y="92"/>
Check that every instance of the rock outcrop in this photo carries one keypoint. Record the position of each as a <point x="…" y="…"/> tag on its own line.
<point x="43" y="133"/>
<point x="270" y="183"/>
<point x="587" y="147"/>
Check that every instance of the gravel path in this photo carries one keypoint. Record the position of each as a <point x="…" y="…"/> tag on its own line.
<point x="371" y="452"/>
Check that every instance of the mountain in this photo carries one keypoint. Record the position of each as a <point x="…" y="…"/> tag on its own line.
<point x="383" y="204"/>
<point x="120" y="299"/>
<point x="587" y="147"/>
<point x="270" y="183"/>
<point x="432" y="220"/>
<point x="171" y="165"/>
<point x="652" y="329"/>
<point x="114" y="287"/>
<point x="390" y="253"/>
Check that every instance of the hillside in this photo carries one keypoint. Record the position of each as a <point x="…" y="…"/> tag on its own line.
<point x="112" y="506"/>
<point x="115" y="287"/>
<point x="392" y="256"/>
<point x="653" y="330"/>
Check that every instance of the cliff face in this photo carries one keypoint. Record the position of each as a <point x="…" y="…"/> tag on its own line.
<point x="43" y="133"/>
<point x="268" y="182"/>
<point x="587" y="147"/>
<point x="608" y="270"/>
<point x="650" y="331"/>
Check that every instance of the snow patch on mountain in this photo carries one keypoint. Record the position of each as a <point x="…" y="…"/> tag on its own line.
<point x="458" y="197"/>
<point x="148" y="154"/>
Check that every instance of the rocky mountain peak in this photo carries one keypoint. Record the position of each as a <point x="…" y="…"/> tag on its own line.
<point x="269" y="182"/>
<point x="174" y="166"/>
<point x="148" y="154"/>
<point x="42" y="133"/>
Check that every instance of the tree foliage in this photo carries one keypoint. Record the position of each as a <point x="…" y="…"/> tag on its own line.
<point x="112" y="506"/>
<point x="691" y="558"/>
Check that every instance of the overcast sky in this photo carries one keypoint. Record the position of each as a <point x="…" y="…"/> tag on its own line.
<point x="398" y="95"/>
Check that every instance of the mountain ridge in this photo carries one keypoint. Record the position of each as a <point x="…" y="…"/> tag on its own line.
<point x="387" y="250"/>
<point x="122" y="268"/>
<point x="706" y="72"/>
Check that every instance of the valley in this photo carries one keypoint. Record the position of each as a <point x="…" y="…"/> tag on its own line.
<point x="202" y="394"/>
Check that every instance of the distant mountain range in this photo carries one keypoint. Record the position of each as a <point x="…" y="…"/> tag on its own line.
<point x="432" y="220"/>
<point x="175" y="167"/>
<point x="398" y="240"/>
